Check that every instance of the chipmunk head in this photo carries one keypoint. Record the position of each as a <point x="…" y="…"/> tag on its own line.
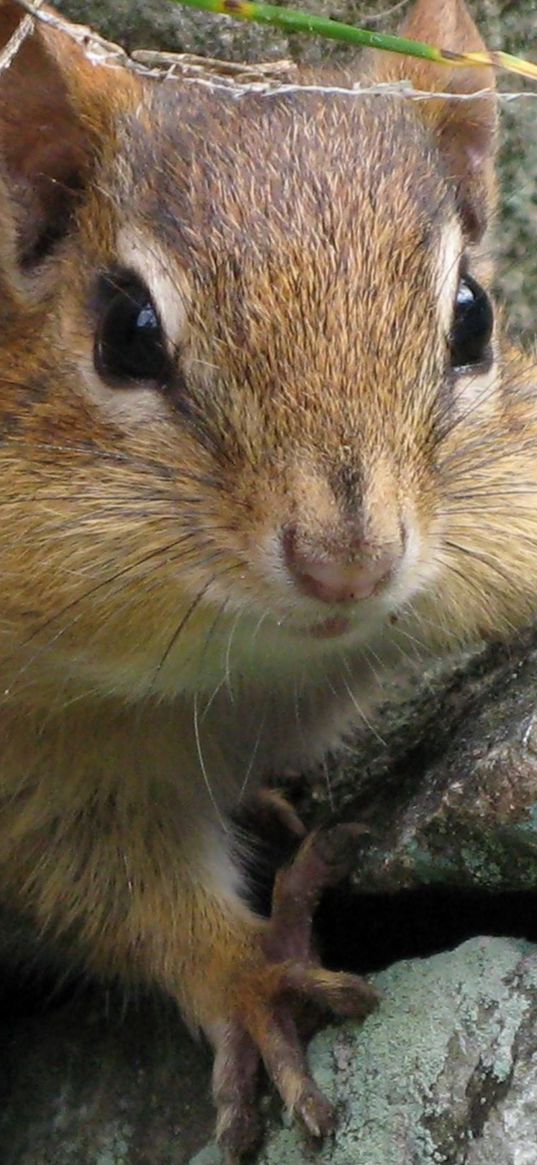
<point x="239" y="332"/>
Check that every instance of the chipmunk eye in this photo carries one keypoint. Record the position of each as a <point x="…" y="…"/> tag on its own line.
<point x="473" y="322"/>
<point x="129" y="340"/>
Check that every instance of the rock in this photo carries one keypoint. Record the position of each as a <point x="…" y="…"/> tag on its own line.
<point x="450" y="791"/>
<point x="444" y="1073"/>
<point x="93" y="1083"/>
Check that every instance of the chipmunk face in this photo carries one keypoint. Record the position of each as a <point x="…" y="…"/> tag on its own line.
<point x="241" y="364"/>
<point x="294" y="336"/>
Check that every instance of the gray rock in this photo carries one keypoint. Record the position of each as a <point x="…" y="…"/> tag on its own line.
<point x="450" y="791"/>
<point x="89" y="1083"/>
<point x="444" y="1073"/>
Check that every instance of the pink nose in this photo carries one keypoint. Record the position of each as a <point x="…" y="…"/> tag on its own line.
<point x="336" y="581"/>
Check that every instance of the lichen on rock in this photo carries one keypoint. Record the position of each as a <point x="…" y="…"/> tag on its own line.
<point x="444" y="1073"/>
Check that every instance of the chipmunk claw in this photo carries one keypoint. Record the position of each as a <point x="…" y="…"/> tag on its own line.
<point x="316" y="1114"/>
<point x="271" y="997"/>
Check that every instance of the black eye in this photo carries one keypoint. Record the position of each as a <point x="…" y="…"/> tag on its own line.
<point x="129" y="341"/>
<point x="473" y="322"/>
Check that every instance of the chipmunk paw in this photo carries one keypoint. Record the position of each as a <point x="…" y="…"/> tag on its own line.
<point x="271" y="998"/>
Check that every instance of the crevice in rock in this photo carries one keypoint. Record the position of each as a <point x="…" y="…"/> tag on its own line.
<point x="453" y="1134"/>
<point x="484" y="1092"/>
<point x="366" y="933"/>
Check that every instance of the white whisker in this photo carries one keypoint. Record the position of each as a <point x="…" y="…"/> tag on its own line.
<point x="203" y="767"/>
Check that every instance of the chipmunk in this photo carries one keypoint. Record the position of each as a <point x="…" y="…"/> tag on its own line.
<point x="260" y="435"/>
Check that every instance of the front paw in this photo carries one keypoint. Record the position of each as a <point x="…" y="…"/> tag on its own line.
<point x="265" y="1002"/>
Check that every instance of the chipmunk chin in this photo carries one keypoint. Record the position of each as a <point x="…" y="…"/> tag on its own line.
<point x="332" y="628"/>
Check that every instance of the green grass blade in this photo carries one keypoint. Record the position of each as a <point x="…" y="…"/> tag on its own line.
<point x="294" y="21"/>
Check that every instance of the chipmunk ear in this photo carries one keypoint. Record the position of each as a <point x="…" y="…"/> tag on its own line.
<point x="52" y="108"/>
<point x="464" y="129"/>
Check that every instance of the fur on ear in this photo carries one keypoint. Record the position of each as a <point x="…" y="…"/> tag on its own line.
<point x="465" y="130"/>
<point x="54" y="117"/>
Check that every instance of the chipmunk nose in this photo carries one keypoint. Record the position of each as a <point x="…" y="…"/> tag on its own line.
<point x="341" y="579"/>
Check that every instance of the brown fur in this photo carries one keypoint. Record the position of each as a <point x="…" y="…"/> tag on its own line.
<point x="154" y="655"/>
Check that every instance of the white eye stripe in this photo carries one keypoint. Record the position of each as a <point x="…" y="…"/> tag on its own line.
<point x="449" y="255"/>
<point x="141" y="253"/>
